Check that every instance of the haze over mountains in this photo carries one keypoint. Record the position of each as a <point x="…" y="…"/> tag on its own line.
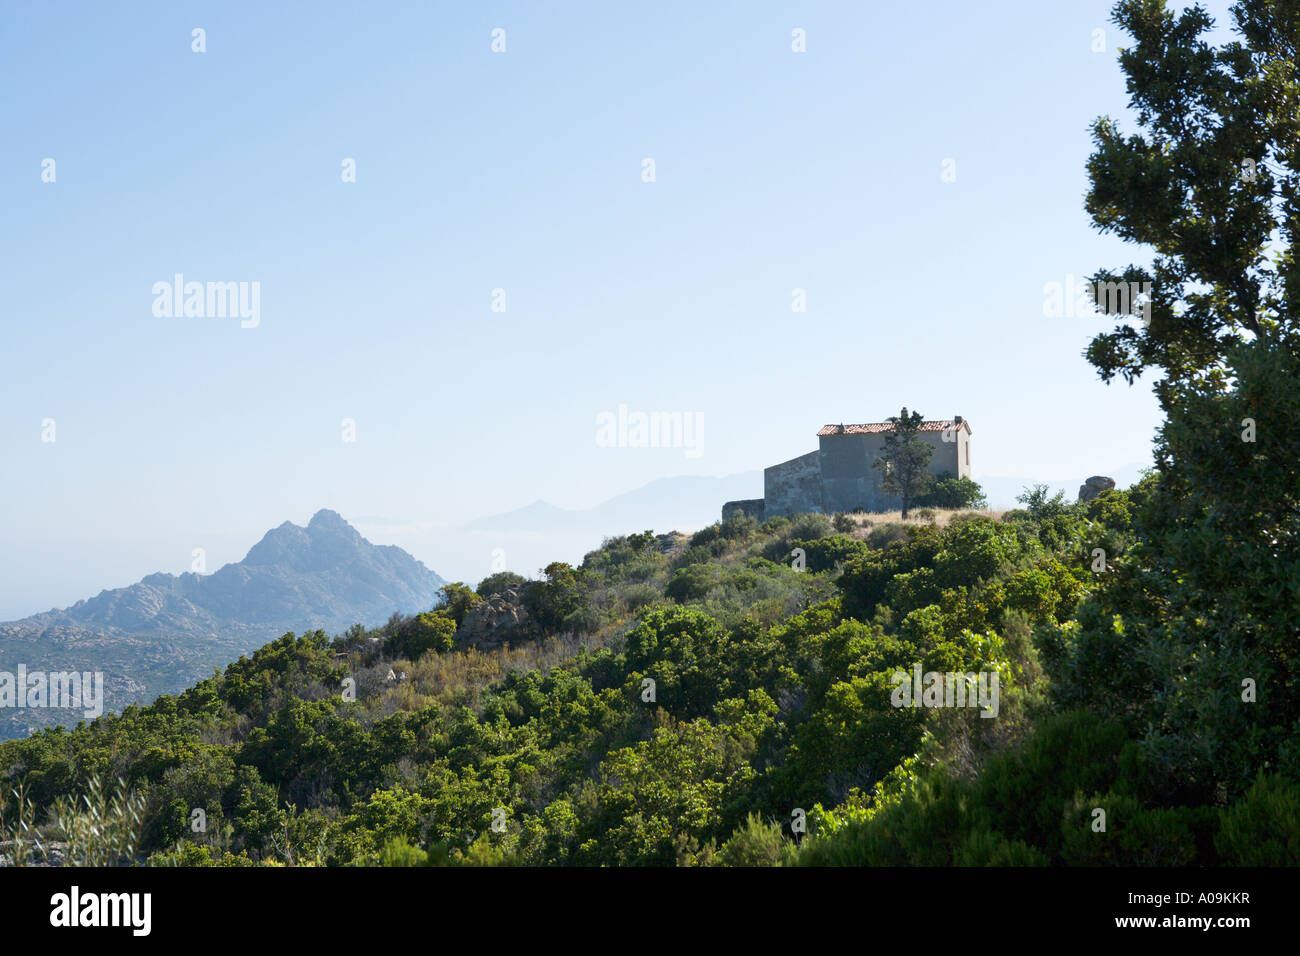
<point x="166" y="631"/>
<point x="528" y="538"/>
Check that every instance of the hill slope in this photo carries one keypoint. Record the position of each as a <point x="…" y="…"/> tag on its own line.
<point x="685" y="700"/>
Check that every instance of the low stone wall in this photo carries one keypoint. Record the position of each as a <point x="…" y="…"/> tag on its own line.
<point x="750" y="506"/>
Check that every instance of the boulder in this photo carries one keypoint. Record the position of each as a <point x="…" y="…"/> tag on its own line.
<point x="499" y="619"/>
<point x="1094" y="486"/>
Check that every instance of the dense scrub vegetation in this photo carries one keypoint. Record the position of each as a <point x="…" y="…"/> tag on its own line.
<point x="701" y="700"/>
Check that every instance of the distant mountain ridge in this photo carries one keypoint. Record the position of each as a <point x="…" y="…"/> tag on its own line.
<point x="528" y="538"/>
<point x="166" y="631"/>
<point x="684" y="502"/>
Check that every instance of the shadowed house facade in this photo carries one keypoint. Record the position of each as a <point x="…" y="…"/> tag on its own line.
<point x="839" y="476"/>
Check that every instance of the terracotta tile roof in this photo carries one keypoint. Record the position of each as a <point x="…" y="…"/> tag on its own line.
<point x="877" y="428"/>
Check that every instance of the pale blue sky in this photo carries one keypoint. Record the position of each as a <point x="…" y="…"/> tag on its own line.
<point x="523" y="171"/>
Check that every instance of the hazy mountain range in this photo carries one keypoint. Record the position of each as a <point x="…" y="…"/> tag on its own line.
<point x="528" y="538"/>
<point x="165" y="632"/>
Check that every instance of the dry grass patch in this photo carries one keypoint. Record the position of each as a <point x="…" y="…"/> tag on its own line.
<point x="865" y="522"/>
<point x="460" y="677"/>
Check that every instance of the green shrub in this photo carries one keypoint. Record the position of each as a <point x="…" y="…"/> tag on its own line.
<point x="584" y="620"/>
<point x="953" y="493"/>
<point x="458" y="600"/>
<point x="430" y="631"/>
<point x="692" y="583"/>
<point x="1134" y="835"/>
<point x="823" y="554"/>
<point x="1263" y="827"/>
<point x="756" y="843"/>
<point x="638" y="596"/>
<point x="887" y="534"/>
<point x="499" y="583"/>
<point x="739" y="527"/>
<point x="1039" y="506"/>
<point x="195" y="854"/>
<point x="557" y="596"/>
<point x="810" y="526"/>
<point x="986" y="848"/>
<point x="924" y="827"/>
<point x="1025" y="791"/>
<point x="695" y="554"/>
<point x="398" y="852"/>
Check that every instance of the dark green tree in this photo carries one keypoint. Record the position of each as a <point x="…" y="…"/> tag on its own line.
<point x="458" y="599"/>
<point x="904" y="462"/>
<point x="430" y="631"/>
<point x="950" y="492"/>
<point x="1200" y="617"/>
<point x="1210" y="184"/>
<point x="554" y="598"/>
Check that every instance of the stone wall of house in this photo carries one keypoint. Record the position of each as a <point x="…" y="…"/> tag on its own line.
<point x="793" y="487"/>
<point x="949" y="456"/>
<point x="848" y="480"/>
<point x="839" y="476"/>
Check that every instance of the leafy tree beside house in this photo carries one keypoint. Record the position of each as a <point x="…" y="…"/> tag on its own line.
<point x="950" y="492"/>
<point x="905" y="461"/>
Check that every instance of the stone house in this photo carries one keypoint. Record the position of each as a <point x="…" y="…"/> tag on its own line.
<point x="839" y="476"/>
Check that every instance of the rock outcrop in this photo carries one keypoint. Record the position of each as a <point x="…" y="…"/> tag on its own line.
<point x="500" y="619"/>
<point x="1094" y="486"/>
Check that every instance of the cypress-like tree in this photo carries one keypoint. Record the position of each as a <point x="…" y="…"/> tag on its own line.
<point x="905" y="461"/>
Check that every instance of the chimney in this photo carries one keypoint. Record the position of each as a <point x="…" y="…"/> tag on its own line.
<point x="956" y="419"/>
